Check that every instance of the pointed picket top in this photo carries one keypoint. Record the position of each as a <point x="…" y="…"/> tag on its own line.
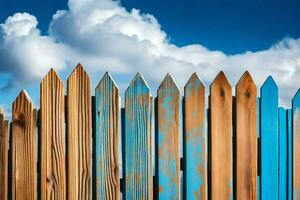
<point x="169" y="82"/>
<point x="52" y="75"/>
<point x="138" y="81"/>
<point x="195" y="82"/>
<point x="107" y="78"/>
<point x="269" y="83"/>
<point x="220" y="81"/>
<point x="296" y="100"/>
<point x="1" y="110"/>
<point x="23" y="96"/>
<point x="79" y="71"/>
<point x="246" y="84"/>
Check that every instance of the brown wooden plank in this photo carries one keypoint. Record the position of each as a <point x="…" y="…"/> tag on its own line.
<point x="195" y="141"/>
<point x="246" y="139"/>
<point x="24" y="147"/>
<point x="53" y="163"/>
<point x="3" y="156"/>
<point x="151" y="153"/>
<point x="221" y="138"/>
<point x="168" y="157"/>
<point x="79" y="126"/>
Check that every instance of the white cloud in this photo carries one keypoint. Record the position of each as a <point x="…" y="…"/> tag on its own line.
<point x="104" y="36"/>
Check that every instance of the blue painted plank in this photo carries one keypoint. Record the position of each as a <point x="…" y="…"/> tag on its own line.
<point x="168" y="142"/>
<point x="269" y="140"/>
<point x="296" y="145"/>
<point x="137" y="140"/>
<point x="290" y="154"/>
<point x="282" y="154"/>
<point x="195" y="139"/>
<point x="106" y="139"/>
<point x="258" y="150"/>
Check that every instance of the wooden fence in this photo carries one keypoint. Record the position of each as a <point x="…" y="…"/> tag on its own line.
<point x="241" y="147"/>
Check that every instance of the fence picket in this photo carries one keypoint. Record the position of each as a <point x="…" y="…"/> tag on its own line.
<point x="290" y="154"/>
<point x="296" y="145"/>
<point x="79" y="133"/>
<point x="53" y="161"/>
<point x="24" y="148"/>
<point x="269" y="140"/>
<point x="168" y="138"/>
<point x="282" y="154"/>
<point x="195" y="138"/>
<point x="106" y="144"/>
<point x="246" y="138"/>
<point x="258" y="147"/>
<point x="138" y="173"/>
<point x="221" y="138"/>
<point x="3" y="156"/>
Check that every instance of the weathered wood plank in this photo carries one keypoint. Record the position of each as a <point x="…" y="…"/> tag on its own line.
<point x="290" y="154"/>
<point x="195" y="139"/>
<point x="3" y="156"/>
<point x="107" y="131"/>
<point x="168" y="158"/>
<point x="138" y="173"/>
<point x="296" y="145"/>
<point x="53" y="161"/>
<point x="24" y="148"/>
<point x="79" y="133"/>
<point x="282" y="154"/>
<point x="269" y="140"/>
<point x="221" y="138"/>
<point x="246" y="138"/>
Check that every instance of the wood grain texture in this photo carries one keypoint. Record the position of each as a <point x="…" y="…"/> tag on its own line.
<point x="53" y="159"/>
<point x="269" y="140"/>
<point x="195" y="139"/>
<point x="282" y="154"/>
<point x="138" y="173"/>
<point x="246" y="138"/>
<point x="24" y="148"/>
<point x="3" y="156"/>
<point x="107" y="139"/>
<point x="221" y="138"/>
<point x="296" y="145"/>
<point x="168" y="102"/>
<point x="79" y="133"/>
<point x="290" y="154"/>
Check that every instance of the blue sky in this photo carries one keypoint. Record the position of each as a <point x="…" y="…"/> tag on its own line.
<point x="175" y="36"/>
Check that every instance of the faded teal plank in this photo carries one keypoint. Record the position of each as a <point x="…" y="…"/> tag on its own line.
<point x="296" y="145"/>
<point x="282" y="154"/>
<point x="269" y="140"/>
<point x="168" y="143"/>
<point x="195" y="139"/>
<point x="137" y="140"/>
<point x="290" y="154"/>
<point x="106" y="139"/>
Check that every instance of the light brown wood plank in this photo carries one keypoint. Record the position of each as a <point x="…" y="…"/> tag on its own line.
<point x="79" y="126"/>
<point x="24" y="147"/>
<point x="53" y="163"/>
<point x="246" y="139"/>
<point x="3" y="155"/>
<point x="221" y="138"/>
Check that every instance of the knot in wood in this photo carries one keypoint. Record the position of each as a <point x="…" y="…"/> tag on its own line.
<point x="247" y="94"/>
<point x="222" y="92"/>
<point x="20" y="121"/>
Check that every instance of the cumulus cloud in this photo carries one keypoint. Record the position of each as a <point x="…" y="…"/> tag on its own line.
<point x="104" y="36"/>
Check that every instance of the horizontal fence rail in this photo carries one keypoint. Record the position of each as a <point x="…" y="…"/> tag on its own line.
<point x="79" y="146"/>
